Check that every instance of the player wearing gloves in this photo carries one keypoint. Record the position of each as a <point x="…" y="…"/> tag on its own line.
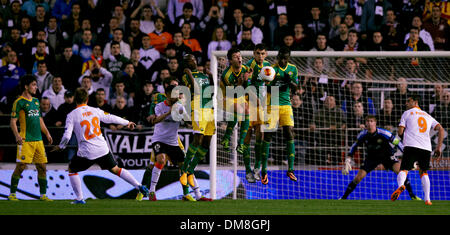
<point x="85" y="121"/>
<point x="381" y="146"/>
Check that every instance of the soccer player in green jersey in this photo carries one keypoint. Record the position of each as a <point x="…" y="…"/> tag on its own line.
<point x="202" y="117"/>
<point x="236" y="75"/>
<point x="286" y="76"/>
<point x="30" y="147"/>
<point x="256" y="113"/>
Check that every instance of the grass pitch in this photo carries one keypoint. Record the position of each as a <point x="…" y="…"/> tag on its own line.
<point x="225" y="207"/>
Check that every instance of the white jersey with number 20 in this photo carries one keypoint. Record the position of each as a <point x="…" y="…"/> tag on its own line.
<point x="418" y="124"/>
<point x="85" y="121"/>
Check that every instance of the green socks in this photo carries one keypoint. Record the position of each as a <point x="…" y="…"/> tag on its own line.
<point x="246" y="154"/>
<point x="258" y="146"/>
<point x="14" y="183"/>
<point x="146" y="179"/>
<point x="244" y="129"/>
<point x="192" y="150"/>
<point x="265" y="156"/>
<point x="42" y="185"/>
<point x="291" y="154"/>
<point x="199" y="155"/>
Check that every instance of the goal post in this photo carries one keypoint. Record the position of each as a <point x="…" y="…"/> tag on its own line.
<point x="321" y="146"/>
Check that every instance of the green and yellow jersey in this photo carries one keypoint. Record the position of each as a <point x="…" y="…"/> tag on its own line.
<point x="202" y="80"/>
<point x="28" y="113"/>
<point x="230" y="78"/>
<point x="254" y="80"/>
<point x="283" y="79"/>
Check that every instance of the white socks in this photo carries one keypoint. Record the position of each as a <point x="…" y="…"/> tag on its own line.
<point x="196" y="189"/>
<point x="127" y="176"/>
<point x="401" y="178"/>
<point x="76" y="185"/>
<point x="156" y="172"/>
<point x="425" y="186"/>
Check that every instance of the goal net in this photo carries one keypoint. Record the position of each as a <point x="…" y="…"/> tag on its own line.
<point x="337" y="90"/>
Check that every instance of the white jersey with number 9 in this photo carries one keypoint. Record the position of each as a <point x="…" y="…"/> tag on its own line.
<point x="418" y="124"/>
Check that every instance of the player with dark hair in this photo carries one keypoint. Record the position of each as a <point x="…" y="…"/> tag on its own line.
<point x="255" y="114"/>
<point x="30" y="147"/>
<point x="379" y="144"/>
<point x="286" y="76"/>
<point x="414" y="128"/>
<point x="236" y="75"/>
<point x="85" y="122"/>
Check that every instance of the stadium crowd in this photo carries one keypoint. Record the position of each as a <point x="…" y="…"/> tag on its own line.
<point x="122" y="51"/>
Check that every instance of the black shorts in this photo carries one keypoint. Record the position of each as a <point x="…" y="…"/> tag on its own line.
<point x="175" y="153"/>
<point x="370" y="163"/>
<point x="105" y="162"/>
<point x="411" y="155"/>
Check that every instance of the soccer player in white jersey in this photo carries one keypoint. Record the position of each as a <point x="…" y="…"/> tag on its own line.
<point x="414" y="128"/>
<point x="85" y="121"/>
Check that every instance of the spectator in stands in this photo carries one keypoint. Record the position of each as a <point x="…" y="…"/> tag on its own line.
<point x="257" y="35"/>
<point x="442" y="112"/>
<point x="349" y="20"/>
<point x="119" y="91"/>
<point x="39" y="22"/>
<point x="54" y="35"/>
<point x="304" y="124"/>
<point x="236" y="26"/>
<point x="388" y="118"/>
<point x="139" y="68"/>
<point x="62" y="9"/>
<point x="191" y="42"/>
<point x="40" y="55"/>
<point x="25" y="28"/>
<point x="353" y="43"/>
<point x="329" y="116"/>
<point x="131" y="80"/>
<point x="423" y="34"/>
<point x="142" y="103"/>
<point x="321" y="45"/>
<point x="55" y="92"/>
<point x="245" y="42"/>
<point x="20" y="45"/>
<point x="438" y="28"/>
<point x="355" y="120"/>
<point x="107" y="32"/>
<point x="341" y="7"/>
<point x="282" y="29"/>
<point x="176" y="9"/>
<point x="163" y="74"/>
<point x="72" y="23"/>
<point x="86" y="83"/>
<point x="125" y="48"/>
<point x="48" y="112"/>
<point x="122" y="110"/>
<point x="122" y="18"/>
<point x="357" y="95"/>
<point x="16" y="13"/>
<point x="134" y="34"/>
<point x="287" y="41"/>
<point x="78" y="36"/>
<point x="433" y="98"/>
<point x="148" y="53"/>
<point x="95" y="58"/>
<point x="43" y="77"/>
<point x="338" y="43"/>
<point x="209" y="24"/>
<point x="392" y="31"/>
<point x="427" y="9"/>
<point x="373" y="16"/>
<point x="187" y="18"/>
<point x="100" y="100"/>
<point x="65" y="108"/>
<point x="160" y="37"/>
<point x="29" y="7"/>
<point x="377" y="43"/>
<point x="100" y="77"/>
<point x="10" y="75"/>
<point x="69" y="66"/>
<point x="414" y="42"/>
<point x="146" y="23"/>
<point x="174" y="67"/>
<point x="116" y="60"/>
<point x="218" y="42"/>
<point x="315" y="24"/>
<point x="180" y="48"/>
<point x="85" y="48"/>
<point x="336" y="20"/>
<point x="302" y="41"/>
<point x="400" y="95"/>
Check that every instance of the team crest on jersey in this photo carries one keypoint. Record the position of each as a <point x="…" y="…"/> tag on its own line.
<point x="157" y="147"/>
<point x="23" y="157"/>
<point x="379" y="141"/>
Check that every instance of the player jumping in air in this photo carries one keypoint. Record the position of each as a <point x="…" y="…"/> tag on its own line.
<point x="379" y="151"/>
<point x="236" y="75"/>
<point x="202" y="117"/>
<point x="414" y="128"/>
<point x="256" y="64"/>
<point x="30" y="148"/>
<point x="286" y="76"/>
<point x="85" y="122"/>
